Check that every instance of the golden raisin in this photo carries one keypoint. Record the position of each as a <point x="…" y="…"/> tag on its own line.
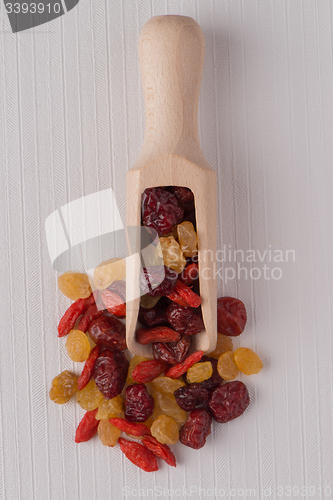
<point x="247" y="361"/>
<point x="134" y="362"/>
<point x="78" y="346"/>
<point x="165" y="430"/>
<point x="226" y="366"/>
<point x="89" y="397"/>
<point x="187" y="238"/>
<point x="199" y="372"/>
<point x="172" y="254"/>
<point x="110" y="407"/>
<point x="167" y="405"/>
<point x="63" y="387"/>
<point x="166" y="384"/>
<point x="74" y="285"/>
<point x="223" y="344"/>
<point x="108" y="272"/>
<point x="147" y="302"/>
<point x="108" y="433"/>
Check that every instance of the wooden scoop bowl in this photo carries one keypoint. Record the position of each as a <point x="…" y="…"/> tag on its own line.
<point x="171" y="55"/>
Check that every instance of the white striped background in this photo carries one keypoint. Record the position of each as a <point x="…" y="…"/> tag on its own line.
<point x="72" y="122"/>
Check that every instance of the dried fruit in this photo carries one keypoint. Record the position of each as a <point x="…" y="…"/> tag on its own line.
<point x="215" y="380"/>
<point x="229" y="401"/>
<point x="184" y="319"/>
<point x="139" y="405"/>
<point x="138" y="454"/>
<point x="63" y="387"/>
<point x="134" y="362"/>
<point x="172" y="352"/>
<point x="175" y="297"/>
<point x="113" y="303"/>
<point x="172" y="255"/>
<point x="187" y="238"/>
<point x="226" y="366"/>
<point x="156" y="315"/>
<point x="161" y="210"/>
<point x="118" y="287"/>
<point x="178" y="370"/>
<point x="247" y="361"/>
<point x="74" y="285"/>
<point x="196" y="429"/>
<point x="108" y="433"/>
<point x="110" y="407"/>
<point x="157" y="280"/>
<point x="199" y="372"/>
<point x="87" y="428"/>
<point x="67" y="322"/>
<point x="88" y="317"/>
<point x="157" y="334"/>
<point x="165" y="430"/>
<point x="231" y="316"/>
<point x="185" y="197"/>
<point x="108" y="332"/>
<point x="189" y="274"/>
<point x="89" y="397"/>
<point x="110" y="373"/>
<point x="191" y="396"/>
<point x="88" y="368"/>
<point x="77" y="346"/>
<point x="132" y="428"/>
<point x="223" y="344"/>
<point x="167" y="405"/>
<point x="166" y="385"/>
<point x="192" y="299"/>
<point x="147" y="301"/>
<point x="108" y="272"/>
<point x="146" y="371"/>
<point x="160" y="450"/>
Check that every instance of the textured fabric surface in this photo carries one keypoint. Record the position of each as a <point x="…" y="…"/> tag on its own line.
<point x="72" y="122"/>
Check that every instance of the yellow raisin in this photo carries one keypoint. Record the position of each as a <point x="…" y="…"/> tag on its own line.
<point x="108" y="433"/>
<point x="89" y="397"/>
<point x="147" y="302"/>
<point x="63" y="387"/>
<point x="173" y="233"/>
<point x="172" y="254"/>
<point x="108" y="272"/>
<point x="226" y="366"/>
<point x="167" y="405"/>
<point x="133" y="363"/>
<point x="166" y="384"/>
<point x="165" y="430"/>
<point x="199" y="372"/>
<point x="74" y="285"/>
<point x="110" y="407"/>
<point x="247" y="361"/>
<point x="187" y="238"/>
<point x="223" y="344"/>
<point x="78" y="346"/>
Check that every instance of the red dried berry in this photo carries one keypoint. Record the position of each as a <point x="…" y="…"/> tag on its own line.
<point x="157" y="280"/>
<point x="131" y="428"/>
<point x="215" y="380"/>
<point x="184" y="319"/>
<point x="155" y="315"/>
<point x="110" y="373"/>
<point x="139" y="405"/>
<point x="173" y="352"/>
<point x="178" y="370"/>
<point x="196" y="429"/>
<point x="192" y="299"/>
<point x="88" y="368"/>
<point x="67" y="322"/>
<point x="191" y="396"/>
<point x="189" y="274"/>
<point x="160" y="450"/>
<point x="87" y="428"/>
<point x="88" y="317"/>
<point x="229" y="401"/>
<point x="161" y="210"/>
<point x="146" y="371"/>
<point x="118" y="287"/>
<point x="185" y="197"/>
<point x="231" y="316"/>
<point x="108" y="332"/>
<point x="157" y="334"/>
<point x="175" y="297"/>
<point x="138" y="454"/>
<point x="113" y="303"/>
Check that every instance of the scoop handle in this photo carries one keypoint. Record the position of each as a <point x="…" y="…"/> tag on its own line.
<point x="171" y="55"/>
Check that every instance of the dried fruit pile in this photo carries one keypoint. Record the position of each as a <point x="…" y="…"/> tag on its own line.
<point x="176" y="395"/>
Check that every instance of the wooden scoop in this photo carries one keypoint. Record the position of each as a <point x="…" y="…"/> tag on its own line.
<point x="171" y="54"/>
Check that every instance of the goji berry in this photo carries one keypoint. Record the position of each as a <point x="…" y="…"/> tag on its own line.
<point x="192" y="299"/>
<point x="114" y="303"/>
<point x="88" y="316"/>
<point x="88" y="368"/>
<point x="189" y="274"/>
<point x="133" y="428"/>
<point x="175" y="297"/>
<point x="157" y="334"/>
<point x="178" y="370"/>
<point x="146" y="371"/>
<point x="87" y="428"/>
<point x="68" y="320"/>
<point x="139" y="455"/>
<point x="160" y="450"/>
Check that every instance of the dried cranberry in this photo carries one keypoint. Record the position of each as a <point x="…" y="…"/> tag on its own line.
<point x="185" y="197"/>
<point x="161" y="210"/>
<point x="157" y="280"/>
<point x="172" y="352"/>
<point x="231" y="316"/>
<point x="215" y="380"/>
<point x="229" y="401"/>
<point x="184" y="319"/>
<point x="110" y="373"/>
<point x="139" y="405"/>
<point x="155" y="315"/>
<point x="191" y="396"/>
<point x="196" y="429"/>
<point x="109" y="332"/>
